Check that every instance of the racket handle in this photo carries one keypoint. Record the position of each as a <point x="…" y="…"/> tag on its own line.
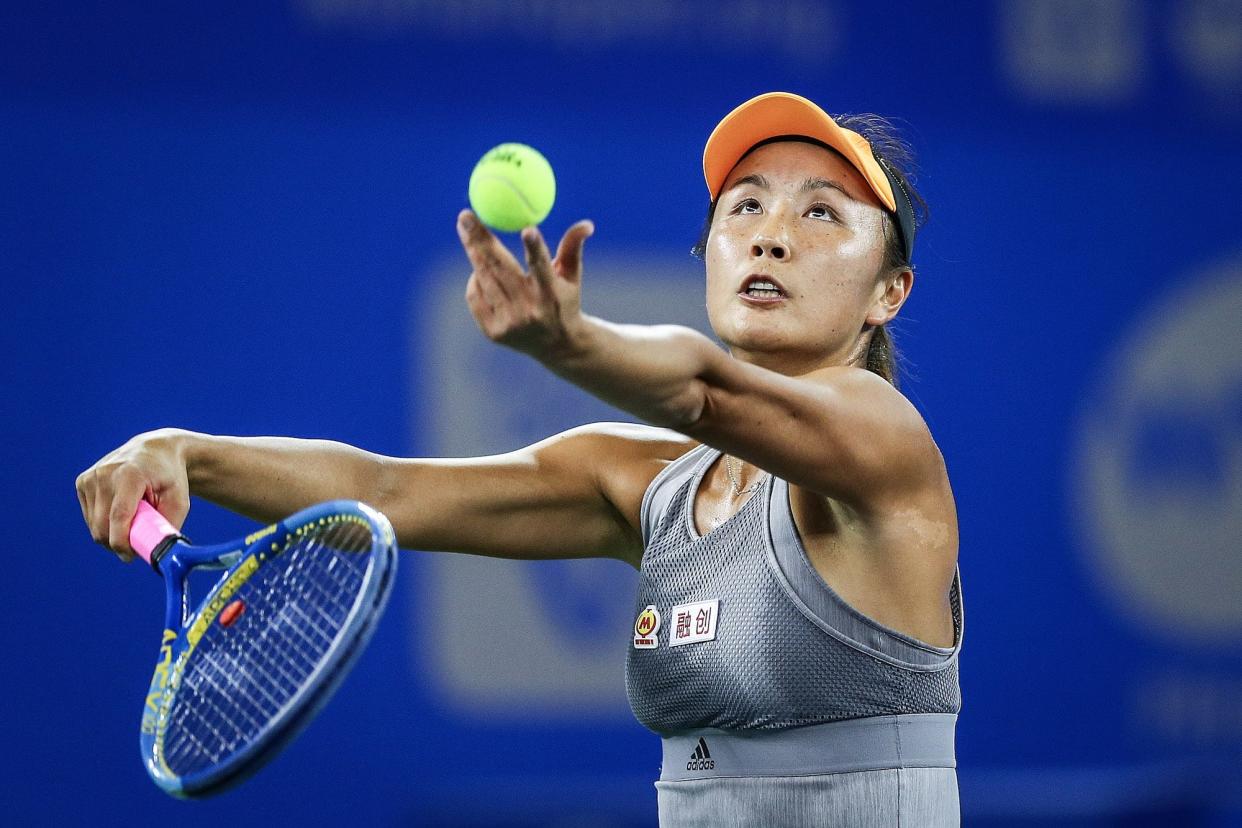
<point x="148" y="530"/>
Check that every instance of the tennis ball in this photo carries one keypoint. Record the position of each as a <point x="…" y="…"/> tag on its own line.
<point x="512" y="187"/>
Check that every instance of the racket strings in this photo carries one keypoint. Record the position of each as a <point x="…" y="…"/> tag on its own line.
<point x="240" y="678"/>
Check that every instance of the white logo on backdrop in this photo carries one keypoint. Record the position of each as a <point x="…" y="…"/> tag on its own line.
<point x="1159" y="465"/>
<point x="544" y="638"/>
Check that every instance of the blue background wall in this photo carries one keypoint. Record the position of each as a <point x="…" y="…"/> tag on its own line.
<point x="198" y="202"/>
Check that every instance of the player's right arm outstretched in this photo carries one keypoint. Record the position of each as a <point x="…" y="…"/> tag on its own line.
<point x="574" y="494"/>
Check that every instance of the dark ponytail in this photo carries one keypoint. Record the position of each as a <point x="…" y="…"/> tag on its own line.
<point x="882" y="355"/>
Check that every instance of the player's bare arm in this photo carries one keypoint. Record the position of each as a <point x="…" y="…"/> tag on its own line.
<point x="573" y="495"/>
<point x="576" y="494"/>
<point x="264" y="478"/>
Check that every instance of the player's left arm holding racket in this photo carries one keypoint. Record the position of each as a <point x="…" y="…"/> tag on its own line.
<point x="552" y="499"/>
<point x="264" y="478"/>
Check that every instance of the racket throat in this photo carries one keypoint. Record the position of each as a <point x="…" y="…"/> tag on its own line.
<point x="161" y="549"/>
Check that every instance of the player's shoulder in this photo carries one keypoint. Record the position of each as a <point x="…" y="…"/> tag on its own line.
<point x="855" y="379"/>
<point x="873" y="394"/>
<point x="891" y="429"/>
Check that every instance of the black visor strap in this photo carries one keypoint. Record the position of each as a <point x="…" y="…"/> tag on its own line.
<point x="905" y="211"/>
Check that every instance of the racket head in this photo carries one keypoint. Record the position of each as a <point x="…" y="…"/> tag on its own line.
<point x="243" y="673"/>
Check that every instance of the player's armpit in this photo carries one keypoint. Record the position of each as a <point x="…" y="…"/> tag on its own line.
<point x="572" y="495"/>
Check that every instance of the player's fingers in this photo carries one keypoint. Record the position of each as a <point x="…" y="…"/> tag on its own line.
<point x="479" y="309"/>
<point x="484" y="250"/>
<point x="174" y="505"/>
<point x="487" y="304"/>
<point x="569" y="252"/>
<point x="493" y="292"/>
<point x="78" y="490"/>
<point x="538" y="260"/>
<point x="86" y="496"/>
<point x="474" y="297"/>
<point x="99" y="509"/>
<point x="489" y="265"/>
<point x="128" y="489"/>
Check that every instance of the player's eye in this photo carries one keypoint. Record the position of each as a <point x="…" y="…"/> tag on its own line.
<point x="821" y="211"/>
<point x="746" y="205"/>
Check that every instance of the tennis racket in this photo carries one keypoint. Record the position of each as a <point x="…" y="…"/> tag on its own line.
<point x="238" y="677"/>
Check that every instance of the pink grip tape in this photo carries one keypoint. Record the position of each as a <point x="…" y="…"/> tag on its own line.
<point x="148" y="529"/>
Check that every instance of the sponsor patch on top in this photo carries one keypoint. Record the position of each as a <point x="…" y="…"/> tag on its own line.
<point x="645" y="628"/>
<point x="693" y="623"/>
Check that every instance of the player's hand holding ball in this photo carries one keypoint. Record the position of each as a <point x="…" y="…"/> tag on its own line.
<point x="536" y="313"/>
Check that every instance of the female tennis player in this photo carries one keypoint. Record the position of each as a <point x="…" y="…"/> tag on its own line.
<point x="799" y="615"/>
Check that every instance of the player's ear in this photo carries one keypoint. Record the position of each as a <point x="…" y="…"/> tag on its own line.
<point x="892" y="291"/>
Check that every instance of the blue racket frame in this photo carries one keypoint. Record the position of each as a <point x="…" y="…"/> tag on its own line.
<point x="175" y="558"/>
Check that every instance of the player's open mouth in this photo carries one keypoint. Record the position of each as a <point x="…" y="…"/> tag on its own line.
<point x="761" y="290"/>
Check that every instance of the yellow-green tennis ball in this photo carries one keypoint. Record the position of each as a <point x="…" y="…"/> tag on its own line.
<point x="512" y="187"/>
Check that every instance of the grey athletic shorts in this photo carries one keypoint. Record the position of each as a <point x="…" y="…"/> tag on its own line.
<point x="883" y="771"/>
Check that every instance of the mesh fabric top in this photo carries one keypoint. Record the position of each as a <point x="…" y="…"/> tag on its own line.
<point x="788" y="650"/>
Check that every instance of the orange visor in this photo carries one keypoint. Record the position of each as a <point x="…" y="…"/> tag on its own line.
<point x="782" y="113"/>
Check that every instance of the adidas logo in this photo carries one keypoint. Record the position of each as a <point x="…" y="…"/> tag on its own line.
<point x="701" y="759"/>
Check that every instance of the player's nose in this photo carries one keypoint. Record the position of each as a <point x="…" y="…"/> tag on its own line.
<point x="765" y="246"/>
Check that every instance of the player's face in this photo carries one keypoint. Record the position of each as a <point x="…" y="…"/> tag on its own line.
<point x="804" y="216"/>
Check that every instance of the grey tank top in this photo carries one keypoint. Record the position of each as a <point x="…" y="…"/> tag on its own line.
<point x="787" y="650"/>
